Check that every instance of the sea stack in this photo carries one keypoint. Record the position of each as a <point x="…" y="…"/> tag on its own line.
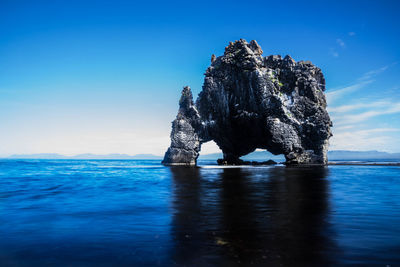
<point x="249" y="101"/>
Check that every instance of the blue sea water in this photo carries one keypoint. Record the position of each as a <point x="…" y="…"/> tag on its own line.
<point x="140" y="213"/>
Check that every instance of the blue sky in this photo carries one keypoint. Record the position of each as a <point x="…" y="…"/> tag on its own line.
<point x="105" y="76"/>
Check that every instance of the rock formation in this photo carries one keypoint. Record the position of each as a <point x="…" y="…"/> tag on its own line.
<point x="249" y="101"/>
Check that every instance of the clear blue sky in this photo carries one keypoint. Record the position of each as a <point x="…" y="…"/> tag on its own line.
<point x="105" y="76"/>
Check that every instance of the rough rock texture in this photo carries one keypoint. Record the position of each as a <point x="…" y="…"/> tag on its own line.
<point x="249" y="101"/>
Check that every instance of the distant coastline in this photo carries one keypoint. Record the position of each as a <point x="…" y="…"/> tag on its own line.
<point x="333" y="155"/>
<point x="83" y="156"/>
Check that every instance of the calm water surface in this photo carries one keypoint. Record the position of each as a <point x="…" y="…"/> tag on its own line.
<point x="139" y="213"/>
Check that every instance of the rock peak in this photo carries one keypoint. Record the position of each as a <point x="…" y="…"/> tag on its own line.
<point x="213" y="58"/>
<point x="186" y="100"/>
<point x="255" y="47"/>
<point x="249" y="101"/>
<point x="243" y="46"/>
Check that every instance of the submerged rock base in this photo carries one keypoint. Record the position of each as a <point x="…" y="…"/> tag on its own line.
<point x="249" y="101"/>
<point x="244" y="162"/>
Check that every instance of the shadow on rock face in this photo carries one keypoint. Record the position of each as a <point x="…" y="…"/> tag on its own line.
<point x="254" y="216"/>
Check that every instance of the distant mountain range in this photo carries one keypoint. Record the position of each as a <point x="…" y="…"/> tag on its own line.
<point x="257" y="155"/>
<point x="84" y="156"/>
<point x="361" y="155"/>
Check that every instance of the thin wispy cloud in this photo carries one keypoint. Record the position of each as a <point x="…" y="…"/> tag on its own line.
<point x="348" y="119"/>
<point x="352" y="33"/>
<point x="346" y="123"/>
<point x="340" y="43"/>
<point x="347" y="108"/>
<point x="376" y="138"/>
<point x="334" y="53"/>
<point x="393" y="108"/>
<point x="346" y="127"/>
<point x="370" y="131"/>
<point x="362" y="81"/>
<point x="338" y="93"/>
<point x="370" y="74"/>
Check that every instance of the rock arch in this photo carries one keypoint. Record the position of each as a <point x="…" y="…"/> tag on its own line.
<point x="249" y="101"/>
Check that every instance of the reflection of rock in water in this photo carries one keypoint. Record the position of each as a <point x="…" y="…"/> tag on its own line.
<point x="194" y="219"/>
<point x="251" y="216"/>
<point x="299" y="221"/>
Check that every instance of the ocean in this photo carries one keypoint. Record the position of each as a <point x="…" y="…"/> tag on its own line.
<point x="140" y="213"/>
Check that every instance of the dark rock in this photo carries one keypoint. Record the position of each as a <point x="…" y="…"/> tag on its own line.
<point x="185" y="140"/>
<point x="242" y="162"/>
<point x="249" y="101"/>
<point x="269" y="162"/>
<point x="235" y="162"/>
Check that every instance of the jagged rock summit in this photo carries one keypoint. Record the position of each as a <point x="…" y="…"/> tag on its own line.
<point x="249" y="101"/>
